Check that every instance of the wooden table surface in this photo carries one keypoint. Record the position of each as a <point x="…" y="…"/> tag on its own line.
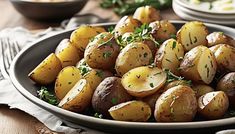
<point x="16" y="121"/>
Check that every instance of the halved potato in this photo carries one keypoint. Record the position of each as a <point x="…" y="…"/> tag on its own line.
<point x="201" y="89"/>
<point x="78" y="98"/>
<point x="177" y="104"/>
<point x="176" y="83"/>
<point x="46" y="72"/>
<point x="68" y="54"/>
<point x="65" y="80"/>
<point x="133" y="55"/>
<point x="131" y="111"/>
<point x="147" y="14"/>
<point x="169" y="56"/>
<point x="213" y="105"/>
<point x="216" y="38"/>
<point x="199" y="65"/>
<point x="143" y="81"/>
<point x="192" y="34"/>
<point x="81" y="36"/>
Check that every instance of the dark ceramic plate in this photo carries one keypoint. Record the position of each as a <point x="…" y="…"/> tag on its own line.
<point x="48" y="10"/>
<point x="32" y="55"/>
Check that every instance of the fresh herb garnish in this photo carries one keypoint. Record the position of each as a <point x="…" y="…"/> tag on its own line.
<point x="99" y="73"/>
<point x="45" y="95"/>
<point x="151" y="85"/>
<point x="97" y="115"/>
<point x="114" y="100"/>
<point x="107" y="54"/>
<point x="84" y="70"/>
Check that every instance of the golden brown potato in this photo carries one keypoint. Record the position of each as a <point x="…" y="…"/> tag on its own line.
<point x="143" y="81"/>
<point x="46" y="72"/>
<point x="65" y="80"/>
<point x="151" y="99"/>
<point x="199" y="65"/>
<point x="169" y="56"/>
<point x="147" y="14"/>
<point x="162" y="30"/>
<point x="213" y="105"/>
<point x="192" y="34"/>
<point x="110" y="92"/>
<point x="227" y="84"/>
<point x="137" y="111"/>
<point x="126" y="24"/>
<point x="133" y="55"/>
<point x="177" y="104"/>
<point x="68" y="54"/>
<point x="216" y="38"/>
<point x="78" y="98"/>
<point x="201" y="89"/>
<point x="102" y="52"/>
<point x="224" y="55"/>
<point x="81" y="36"/>
<point x="176" y="83"/>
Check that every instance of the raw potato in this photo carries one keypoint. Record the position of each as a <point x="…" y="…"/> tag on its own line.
<point x="169" y="56"/>
<point x="126" y="24"/>
<point x="227" y="84"/>
<point x="216" y="38"/>
<point x="110" y="92"/>
<point x="101" y="53"/>
<point x="137" y="111"/>
<point x="192" y="34"/>
<point x="225" y="57"/>
<point x="147" y="14"/>
<point x="213" y="105"/>
<point x="177" y="104"/>
<point x="78" y="98"/>
<point x="68" y="54"/>
<point x="199" y="65"/>
<point x="176" y="83"/>
<point x="162" y="30"/>
<point x="201" y="89"/>
<point x="81" y="36"/>
<point x="65" y="80"/>
<point x="143" y="81"/>
<point x="46" y="72"/>
<point x="95" y="76"/>
<point x="132" y="56"/>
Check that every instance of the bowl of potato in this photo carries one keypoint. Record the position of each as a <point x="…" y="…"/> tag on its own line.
<point x="129" y="76"/>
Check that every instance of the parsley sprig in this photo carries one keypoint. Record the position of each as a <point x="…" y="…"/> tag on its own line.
<point x="172" y="77"/>
<point x="45" y="95"/>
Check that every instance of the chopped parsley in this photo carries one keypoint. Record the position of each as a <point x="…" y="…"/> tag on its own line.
<point x="84" y="70"/>
<point x="107" y="54"/>
<point x="99" y="73"/>
<point x="173" y="44"/>
<point x="45" y="95"/>
<point x="114" y="100"/>
<point x="151" y="85"/>
<point x="97" y="115"/>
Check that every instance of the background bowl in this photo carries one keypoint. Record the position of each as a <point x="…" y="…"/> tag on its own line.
<point x="48" y="10"/>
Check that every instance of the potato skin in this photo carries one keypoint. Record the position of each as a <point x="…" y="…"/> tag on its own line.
<point x="126" y="24"/>
<point x="133" y="55"/>
<point x="176" y="83"/>
<point x="216" y="38"/>
<point x="147" y="14"/>
<point x="110" y="92"/>
<point x="162" y="30"/>
<point x="227" y="84"/>
<point x="137" y="111"/>
<point x="177" y="104"/>
<point x="201" y="89"/>
<point x="81" y="36"/>
<point x="213" y="105"/>
<point x="65" y="80"/>
<point x="45" y="73"/>
<point x="68" y="54"/>
<point x="151" y="100"/>
<point x="102" y="52"/>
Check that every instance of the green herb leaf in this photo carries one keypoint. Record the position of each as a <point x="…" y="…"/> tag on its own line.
<point x="45" y="95"/>
<point x="107" y="54"/>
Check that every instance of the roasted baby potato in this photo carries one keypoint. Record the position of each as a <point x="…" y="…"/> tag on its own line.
<point x="110" y="92"/>
<point x="126" y="24"/>
<point x="78" y="98"/>
<point x="65" y="80"/>
<point x="169" y="56"/>
<point x="224" y="55"/>
<point x="131" y="111"/>
<point x="216" y="38"/>
<point x="147" y="14"/>
<point x="213" y="105"/>
<point x="133" y="55"/>
<point x="46" y="72"/>
<point x="151" y="99"/>
<point x="227" y="84"/>
<point x="101" y="53"/>
<point x="68" y="54"/>
<point x="199" y="65"/>
<point x="143" y="81"/>
<point x="176" y="83"/>
<point x="192" y="34"/>
<point x="162" y="30"/>
<point x="201" y="89"/>
<point x="81" y="36"/>
<point x="177" y="104"/>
